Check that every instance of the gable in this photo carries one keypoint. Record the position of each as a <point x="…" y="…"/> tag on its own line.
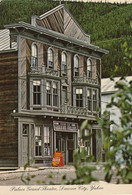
<point x="60" y="20"/>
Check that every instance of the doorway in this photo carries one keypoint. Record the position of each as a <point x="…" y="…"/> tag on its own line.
<point x="65" y="143"/>
<point x="25" y="144"/>
<point x="61" y="144"/>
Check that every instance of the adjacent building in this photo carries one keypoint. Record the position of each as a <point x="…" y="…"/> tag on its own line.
<point x="107" y="91"/>
<point x="50" y="79"/>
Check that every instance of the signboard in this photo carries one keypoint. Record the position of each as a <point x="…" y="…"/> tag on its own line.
<point x="65" y="126"/>
<point x="57" y="159"/>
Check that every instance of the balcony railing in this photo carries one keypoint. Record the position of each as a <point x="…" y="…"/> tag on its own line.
<point x="79" y="111"/>
<point x="85" y="79"/>
<point x="44" y="70"/>
<point x="65" y="110"/>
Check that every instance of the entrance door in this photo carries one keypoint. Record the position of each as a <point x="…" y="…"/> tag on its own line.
<point x="61" y="144"/>
<point x="94" y="143"/>
<point x="25" y="144"/>
<point x="70" y="147"/>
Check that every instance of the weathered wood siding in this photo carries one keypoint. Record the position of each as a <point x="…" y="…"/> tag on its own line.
<point x="8" y="103"/>
<point x="53" y="21"/>
<point x="22" y="60"/>
<point x="72" y="29"/>
<point x="62" y="22"/>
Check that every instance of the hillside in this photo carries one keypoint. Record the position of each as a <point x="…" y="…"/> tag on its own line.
<point x="108" y="24"/>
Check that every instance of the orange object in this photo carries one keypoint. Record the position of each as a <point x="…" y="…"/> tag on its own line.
<point x="57" y="159"/>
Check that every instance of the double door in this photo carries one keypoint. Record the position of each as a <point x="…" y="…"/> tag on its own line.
<point x="66" y="144"/>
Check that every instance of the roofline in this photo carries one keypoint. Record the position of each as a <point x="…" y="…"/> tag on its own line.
<point x="57" y="35"/>
<point x="56" y="9"/>
<point x="108" y="92"/>
<point x="8" y="50"/>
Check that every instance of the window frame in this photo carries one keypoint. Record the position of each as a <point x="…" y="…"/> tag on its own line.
<point x="89" y="99"/>
<point x="49" y="93"/>
<point x="49" y="141"/>
<point x="89" y="68"/>
<point x="34" y="58"/>
<point x="37" y="93"/>
<point x="64" y="63"/>
<point x="95" y="101"/>
<point x="37" y="147"/>
<point x="53" y="95"/>
<point x="42" y="138"/>
<point x="79" y="99"/>
<point x="76" y="69"/>
<point x="50" y="59"/>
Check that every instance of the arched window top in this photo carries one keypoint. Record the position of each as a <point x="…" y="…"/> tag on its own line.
<point x="76" y="65"/>
<point x="76" y="61"/>
<point x="50" y="57"/>
<point x="64" y="62"/>
<point x="34" y="55"/>
<point x="89" y="67"/>
<point x="64" y="57"/>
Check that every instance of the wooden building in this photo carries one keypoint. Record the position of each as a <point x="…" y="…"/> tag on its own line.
<point x="50" y="78"/>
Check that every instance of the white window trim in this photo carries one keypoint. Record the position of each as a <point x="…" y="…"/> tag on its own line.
<point x="49" y="66"/>
<point x="63" y="72"/>
<point x="36" y="57"/>
<point x="76" y="55"/>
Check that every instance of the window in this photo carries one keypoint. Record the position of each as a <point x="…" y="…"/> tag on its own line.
<point x="64" y="63"/>
<point x="50" y="58"/>
<point x="65" y="94"/>
<point x="55" y="94"/>
<point x="47" y="141"/>
<point x="42" y="141"/>
<point x="52" y="93"/>
<point x="49" y="93"/>
<point x="89" y="68"/>
<point x="87" y="142"/>
<point x="79" y="97"/>
<point x="25" y="129"/>
<point x="76" y="65"/>
<point x="38" y="142"/>
<point x="36" y="92"/>
<point x="34" y="55"/>
<point x="94" y="99"/>
<point x="89" y="99"/>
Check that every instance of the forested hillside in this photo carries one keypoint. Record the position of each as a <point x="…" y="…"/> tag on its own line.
<point x="108" y="24"/>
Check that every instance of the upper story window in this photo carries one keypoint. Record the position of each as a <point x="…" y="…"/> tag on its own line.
<point x="55" y="94"/>
<point x="94" y="99"/>
<point x="64" y="63"/>
<point x="76" y="65"/>
<point x="36" y="92"/>
<point x="89" y="99"/>
<point x="50" y="58"/>
<point x="79" y="97"/>
<point x="34" y="55"/>
<point x="52" y="93"/>
<point x="89" y="67"/>
<point x="49" y="93"/>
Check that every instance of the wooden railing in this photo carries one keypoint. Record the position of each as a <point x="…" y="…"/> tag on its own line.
<point x="80" y="111"/>
<point x="85" y="79"/>
<point x="44" y="70"/>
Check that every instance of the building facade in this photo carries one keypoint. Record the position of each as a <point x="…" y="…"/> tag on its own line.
<point x="50" y="83"/>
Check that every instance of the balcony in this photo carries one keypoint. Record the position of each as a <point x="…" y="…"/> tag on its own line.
<point x="63" y="111"/>
<point x="76" y="111"/>
<point x="85" y="79"/>
<point x="44" y="71"/>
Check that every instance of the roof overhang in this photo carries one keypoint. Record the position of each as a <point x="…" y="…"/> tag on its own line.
<point x="55" y="35"/>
